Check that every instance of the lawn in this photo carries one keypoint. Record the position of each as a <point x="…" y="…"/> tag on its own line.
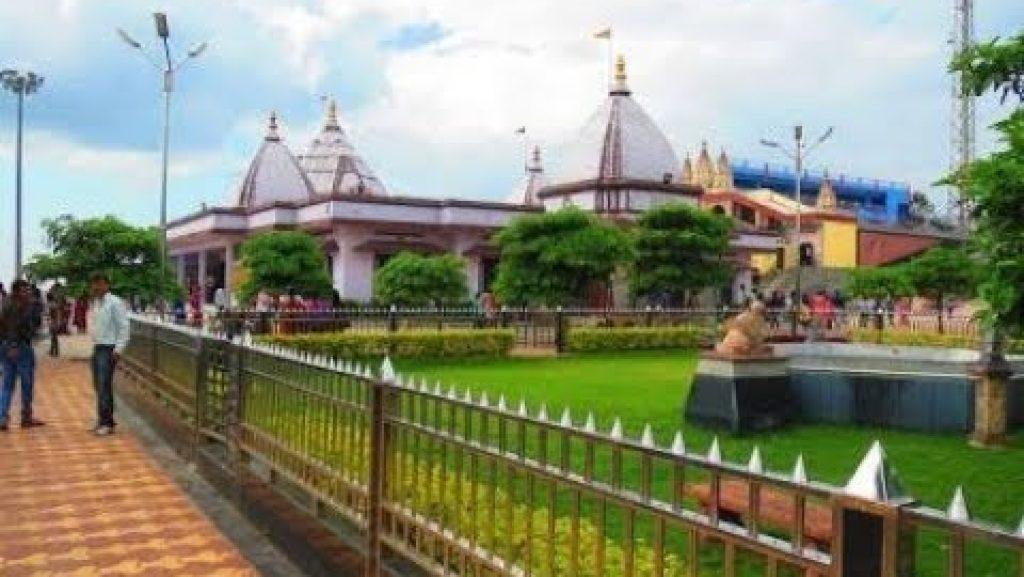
<point x="651" y="387"/>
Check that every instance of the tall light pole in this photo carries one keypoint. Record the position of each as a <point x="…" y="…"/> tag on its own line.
<point x="20" y="83"/>
<point x="167" y="70"/>
<point x="798" y="154"/>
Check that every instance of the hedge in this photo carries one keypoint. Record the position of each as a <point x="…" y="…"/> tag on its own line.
<point x="919" y="338"/>
<point x="635" y="338"/>
<point x="403" y="344"/>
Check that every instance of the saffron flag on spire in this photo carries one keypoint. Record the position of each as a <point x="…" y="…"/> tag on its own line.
<point x="605" y="34"/>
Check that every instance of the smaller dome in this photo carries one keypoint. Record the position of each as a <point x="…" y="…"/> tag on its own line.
<point x="274" y="174"/>
<point x="827" y="195"/>
<point x="332" y="164"/>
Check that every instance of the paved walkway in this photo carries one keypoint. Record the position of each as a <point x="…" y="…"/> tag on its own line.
<point x="75" y="505"/>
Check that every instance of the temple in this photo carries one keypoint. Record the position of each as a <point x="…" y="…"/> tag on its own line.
<point x="620" y="164"/>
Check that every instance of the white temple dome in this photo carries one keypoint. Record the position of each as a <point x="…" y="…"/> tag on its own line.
<point x="332" y="164"/>
<point x="274" y="175"/>
<point x="619" y="141"/>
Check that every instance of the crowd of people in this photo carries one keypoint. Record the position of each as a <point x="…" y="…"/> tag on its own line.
<point x="98" y="312"/>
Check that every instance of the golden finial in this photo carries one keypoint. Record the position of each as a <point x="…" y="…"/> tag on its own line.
<point x="620" y="68"/>
<point x="536" y="156"/>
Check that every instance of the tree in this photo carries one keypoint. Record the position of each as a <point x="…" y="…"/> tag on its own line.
<point x="879" y="282"/>
<point x="679" y="251"/>
<point x="995" y="184"/>
<point x="280" y="262"/>
<point x="410" y="279"/>
<point x="130" y="255"/>
<point x="554" y="258"/>
<point x="942" y="272"/>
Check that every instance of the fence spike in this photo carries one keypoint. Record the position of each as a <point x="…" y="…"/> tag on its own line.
<point x="566" y="420"/>
<point x="755" y="465"/>
<point x="437" y="388"/>
<point x="424" y="387"/>
<point x="1020" y="528"/>
<point x="399" y="381"/>
<point x="367" y="372"/>
<point x="873" y="478"/>
<point x="590" y="426"/>
<point x="715" y="452"/>
<point x="501" y="403"/>
<point x="484" y="401"/>
<point x="647" y="438"/>
<point x="616" y="432"/>
<point x="452" y="393"/>
<point x="958" y="510"/>
<point x="799" y="470"/>
<point x="468" y="398"/>
<point x="357" y="368"/>
<point x="678" y="444"/>
<point x="523" y="412"/>
<point x="542" y="414"/>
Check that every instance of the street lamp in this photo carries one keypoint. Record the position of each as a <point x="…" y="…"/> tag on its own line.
<point x="20" y="83"/>
<point x="167" y="70"/>
<point x="798" y="154"/>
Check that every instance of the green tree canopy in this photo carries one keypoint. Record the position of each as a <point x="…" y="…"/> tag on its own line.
<point x="995" y="184"/>
<point x="942" y="272"/>
<point x="414" y="280"/>
<point x="130" y="255"/>
<point x="283" y="261"/>
<point x="879" y="282"/>
<point x="554" y="258"/>
<point x="680" y="250"/>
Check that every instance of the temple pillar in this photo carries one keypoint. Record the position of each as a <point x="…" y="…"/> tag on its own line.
<point x="201" y="276"/>
<point x="229" y="262"/>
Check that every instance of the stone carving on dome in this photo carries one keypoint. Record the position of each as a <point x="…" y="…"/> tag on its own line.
<point x="273" y="175"/>
<point x="332" y="164"/>
<point x="827" y="195"/>
<point x="707" y="173"/>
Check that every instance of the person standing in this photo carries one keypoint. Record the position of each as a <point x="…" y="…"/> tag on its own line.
<point x="53" y="314"/>
<point x="110" y="336"/>
<point x="17" y="327"/>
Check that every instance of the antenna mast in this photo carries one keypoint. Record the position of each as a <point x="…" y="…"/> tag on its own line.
<point x="962" y="115"/>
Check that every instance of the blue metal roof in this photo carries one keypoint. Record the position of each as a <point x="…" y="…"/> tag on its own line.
<point x="875" y="199"/>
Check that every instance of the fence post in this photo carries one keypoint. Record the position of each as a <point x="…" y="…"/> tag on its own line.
<point x="379" y="441"/>
<point x="201" y="390"/>
<point x="234" y="411"/>
<point x="879" y="325"/>
<point x="869" y="538"/>
<point x="559" y="330"/>
<point x="153" y="332"/>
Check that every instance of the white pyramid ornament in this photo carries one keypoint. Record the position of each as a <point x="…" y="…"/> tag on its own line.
<point x="755" y="465"/>
<point x="424" y="387"/>
<point x="437" y="389"/>
<point x="799" y="470"/>
<point x="616" y="432"/>
<point x="542" y="414"/>
<point x="873" y="478"/>
<point x="502" y="405"/>
<point x="522" y="409"/>
<point x="468" y="397"/>
<point x="958" y="510"/>
<point x="590" y="426"/>
<point x="678" y="445"/>
<point x="1020" y="528"/>
<point x="399" y="381"/>
<point x="647" y="437"/>
<point x="452" y="394"/>
<point x="484" y="401"/>
<point x="367" y="373"/>
<point x="387" y="371"/>
<point x="566" y="420"/>
<point x="715" y="452"/>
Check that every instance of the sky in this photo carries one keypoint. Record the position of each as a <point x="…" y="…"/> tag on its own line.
<point x="432" y="91"/>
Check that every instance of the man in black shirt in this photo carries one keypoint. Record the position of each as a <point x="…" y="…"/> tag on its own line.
<point x="17" y="327"/>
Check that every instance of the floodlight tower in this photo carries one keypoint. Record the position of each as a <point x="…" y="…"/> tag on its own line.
<point x="962" y="115"/>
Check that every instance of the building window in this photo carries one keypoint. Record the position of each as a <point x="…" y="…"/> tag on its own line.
<point x="718" y="209"/>
<point x="806" y="254"/>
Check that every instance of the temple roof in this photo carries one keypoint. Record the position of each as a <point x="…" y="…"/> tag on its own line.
<point x="532" y="183"/>
<point x="619" y="141"/>
<point x="274" y="175"/>
<point x="332" y="164"/>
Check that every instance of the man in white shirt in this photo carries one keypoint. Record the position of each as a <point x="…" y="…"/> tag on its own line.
<point x="110" y="336"/>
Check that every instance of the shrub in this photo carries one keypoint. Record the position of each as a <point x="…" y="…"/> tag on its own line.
<point x="403" y="344"/>
<point x="634" y="338"/>
<point x="919" y="338"/>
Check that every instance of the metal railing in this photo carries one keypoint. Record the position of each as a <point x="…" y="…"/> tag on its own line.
<point x="461" y="484"/>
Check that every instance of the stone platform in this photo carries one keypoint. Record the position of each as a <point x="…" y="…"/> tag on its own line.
<point x="741" y="394"/>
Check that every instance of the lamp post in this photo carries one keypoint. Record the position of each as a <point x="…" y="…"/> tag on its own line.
<point x="798" y="155"/>
<point x="167" y="69"/>
<point x="20" y="83"/>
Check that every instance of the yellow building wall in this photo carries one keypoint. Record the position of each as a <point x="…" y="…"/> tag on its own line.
<point x="839" y="244"/>
<point x="764" y="262"/>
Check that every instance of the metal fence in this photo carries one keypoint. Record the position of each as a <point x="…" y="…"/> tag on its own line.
<point x="548" y="327"/>
<point x="462" y="484"/>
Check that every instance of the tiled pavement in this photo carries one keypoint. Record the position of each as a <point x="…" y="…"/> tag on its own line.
<point x="75" y="505"/>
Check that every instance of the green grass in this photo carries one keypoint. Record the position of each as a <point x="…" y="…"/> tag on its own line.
<point x="651" y="387"/>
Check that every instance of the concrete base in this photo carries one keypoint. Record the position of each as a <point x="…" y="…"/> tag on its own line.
<point x="741" y="395"/>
